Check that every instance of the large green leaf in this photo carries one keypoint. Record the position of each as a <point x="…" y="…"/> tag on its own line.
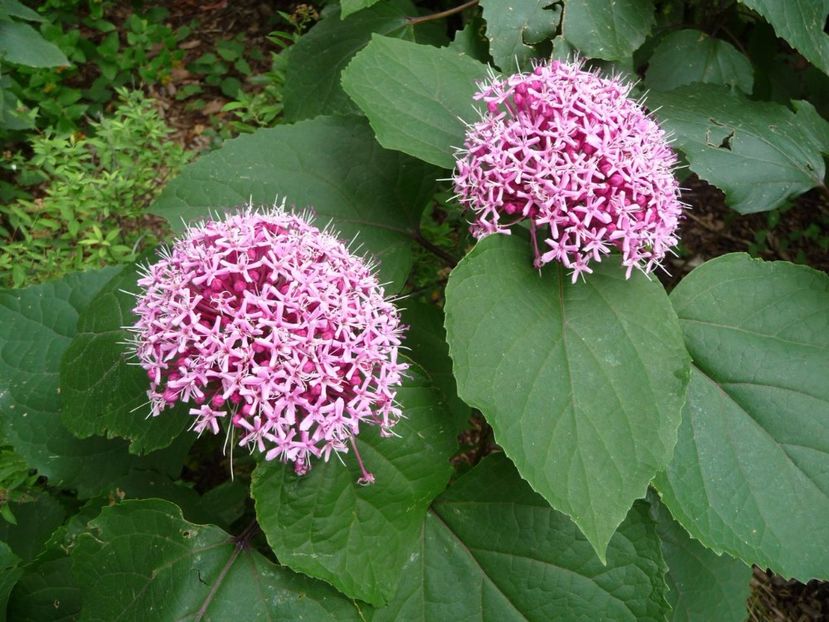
<point x="800" y="23"/>
<point x="607" y="29"/>
<point x="491" y="549"/>
<point x="703" y="585"/>
<point x="513" y="27"/>
<point x="46" y="593"/>
<point x="332" y="164"/>
<point x="582" y="384"/>
<point x="348" y="7"/>
<point x="23" y="45"/>
<point x="750" y="475"/>
<point x="9" y="574"/>
<point x="312" y="78"/>
<point x="689" y="56"/>
<point x="104" y="392"/>
<point x="37" y="325"/>
<point x="417" y="97"/>
<point x="13" y="8"/>
<point x="426" y="340"/>
<point x="141" y="560"/>
<point x="759" y="153"/>
<point x="358" y="537"/>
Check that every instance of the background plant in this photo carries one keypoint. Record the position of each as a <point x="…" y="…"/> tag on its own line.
<point x="92" y="194"/>
<point x="634" y="446"/>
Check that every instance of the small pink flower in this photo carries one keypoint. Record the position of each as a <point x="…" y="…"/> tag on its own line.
<point x="569" y="152"/>
<point x="267" y="318"/>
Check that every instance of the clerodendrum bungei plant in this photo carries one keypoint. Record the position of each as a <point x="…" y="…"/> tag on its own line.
<point x="647" y="446"/>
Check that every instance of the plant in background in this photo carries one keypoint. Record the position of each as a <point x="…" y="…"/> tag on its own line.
<point x="262" y="106"/>
<point x="93" y="195"/>
<point x="21" y="45"/>
<point x="143" y="51"/>
<point x="266" y="319"/>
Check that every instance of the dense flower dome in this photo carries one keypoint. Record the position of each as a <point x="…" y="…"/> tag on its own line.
<point x="568" y="151"/>
<point x="265" y="322"/>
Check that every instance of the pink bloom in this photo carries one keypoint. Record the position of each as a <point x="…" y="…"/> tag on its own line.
<point x="569" y="152"/>
<point x="267" y="318"/>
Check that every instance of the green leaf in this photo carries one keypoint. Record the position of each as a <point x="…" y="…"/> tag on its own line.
<point x="23" y="45"/>
<point x="312" y="78"/>
<point x="46" y="592"/>
<point x="352" y="6"/>
<point x="703" y="585"/>
<point x="36" y="520"/>
<point x="513" y="27"/>
<point x="688" y="56"/>
<point x="426" y="340"/>
<point x="470" y="41"/>
<point x="749" y="475"/>
<point x="582" y="384"/>
<point x="800" y="23"/>
<point x="36" y="326"/>
<point x="142" y="560"/>
<point x="607" y="29"/>
<point x="13" y="8"/>
<point x="104" y="392"/>
<point x="9" y="574"/>
<point x="759" y="153"/>
<point x="358" y="537"/>
<point x="331" y="164"/>
<point x="491" y="549"/>
<point x="416" y="97"/>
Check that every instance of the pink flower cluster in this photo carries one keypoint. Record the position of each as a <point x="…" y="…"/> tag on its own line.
<point x="568" y="151"/>
<point x="266" y="322"/>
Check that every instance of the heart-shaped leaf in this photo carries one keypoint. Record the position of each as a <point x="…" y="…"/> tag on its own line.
<point x="582" y="383"/>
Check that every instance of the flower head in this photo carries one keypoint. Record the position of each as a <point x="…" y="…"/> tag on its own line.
<point x="264" y="322"/>
<point x="568" y="151"/>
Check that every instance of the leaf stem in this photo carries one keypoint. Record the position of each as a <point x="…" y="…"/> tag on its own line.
<point x="432" y="248"/>
<point x="428" y="18"/>
<point x="240" y="542"/>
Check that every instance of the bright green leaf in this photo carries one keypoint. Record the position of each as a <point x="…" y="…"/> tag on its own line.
<point x="358" y="537"/>
<point x="104" y="391"/>
<point x="800" y="23"/>
<point x="492" y="549"/>
<point x="759" y="153"/>
<point x="415" y="96"/>
<point x="23" y="45"/>
<point x="331" y="164"/>
<point x="141" y="560"/>
<point x="14" y="8"/>
<point x="689" y="56"/>
<point x="607" y="29"/>
<point x="750" y="475"/>
<point x="703" y="585"/>
<point x="582" y="384"/>
<point x="312" y="78"/>
<point x="513" y="27"/>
